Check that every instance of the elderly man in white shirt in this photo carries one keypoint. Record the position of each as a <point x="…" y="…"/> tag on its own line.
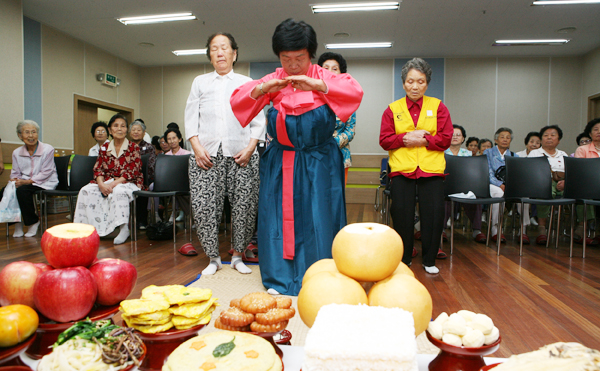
<point x="224" y="155"/>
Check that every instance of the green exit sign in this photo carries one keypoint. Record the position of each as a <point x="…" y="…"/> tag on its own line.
<point x="110" y="80"/>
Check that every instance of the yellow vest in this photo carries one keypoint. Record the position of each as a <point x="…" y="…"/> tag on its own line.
<point x="406" y="160"/>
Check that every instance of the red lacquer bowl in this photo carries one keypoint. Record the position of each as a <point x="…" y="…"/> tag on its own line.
<point x="10" y="356"/>
<point x="48" y="330"/>
<point x="15" y="368"/>
<point x="452" y="358"/>
<point x="489" y="367"/>
<point x="162" y="344"/>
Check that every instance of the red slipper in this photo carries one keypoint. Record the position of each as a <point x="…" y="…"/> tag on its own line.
<point x="418" y="235"/>
<point x="441" y="254"/>
<point x="230" y="251"/>
<point x="480" y="238"/>
<point x="249" y="260"/>
<point x="187" y="250"/>
<point x="541" y="239"/>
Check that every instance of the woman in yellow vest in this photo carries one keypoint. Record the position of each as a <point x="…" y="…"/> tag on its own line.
<point x="416" y="130"/>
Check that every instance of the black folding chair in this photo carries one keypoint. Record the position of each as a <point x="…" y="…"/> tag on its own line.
<point x="582" y="183"/>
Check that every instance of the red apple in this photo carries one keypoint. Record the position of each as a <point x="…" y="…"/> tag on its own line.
<point x="43" y="267"/>
<point x="115" y="279"/>
<point x="16" y="283"/>
<point x="70" y="245"/>
<point x="66" y="294"/>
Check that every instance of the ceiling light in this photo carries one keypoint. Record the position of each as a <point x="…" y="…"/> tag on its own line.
<point x="157" y="18"/>
<point x="359" y="45"/>
<point x="530" y="42"/>
<point x="189" y="52"/>
<point x="354" y="7"/>
<point x="565" y="2"/>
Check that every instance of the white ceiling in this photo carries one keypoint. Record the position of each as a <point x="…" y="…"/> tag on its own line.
<point x="424" y="28"/>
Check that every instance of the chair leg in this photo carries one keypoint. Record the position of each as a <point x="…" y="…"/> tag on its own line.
<point x="584" y="227"/>
<point x="572" y="230"/>
<point x="451" y="227"/>
<point x="549" y="227"/>
<point x="44" y="218"/>
<point x="174" y="223"/>
<point x="521" y="230"/>
<point x="500" y="220"/>
<point x="489" y="225"/>
<point x="134" y="224"/>
<point x="558" y="225"/>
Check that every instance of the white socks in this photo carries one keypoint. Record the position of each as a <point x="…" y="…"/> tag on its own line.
<point x="431" y="270"/>
<point x="273" y="292"/>
<point x="157" y="217"/>
<point x="32" y="231"/>
<point x="476" y="232"/>
<point x="18" y="230"/>
<point x="213" y="266"/>
<point x="123" y="234"/>
<point x="238" y="264"/>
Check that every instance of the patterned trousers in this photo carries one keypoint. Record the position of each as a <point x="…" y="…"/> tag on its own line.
<point x="208" y="189"/>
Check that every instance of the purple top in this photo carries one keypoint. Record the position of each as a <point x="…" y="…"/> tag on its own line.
<point x="40" y="167"/>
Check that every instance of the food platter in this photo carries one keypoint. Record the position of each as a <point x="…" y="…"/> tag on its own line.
<point x="10" y="355"/>
<point x="454" y="358"/>
<point x="161" y="344"/>
<point x="489" y="367"/>
<point x="48" y="330"/>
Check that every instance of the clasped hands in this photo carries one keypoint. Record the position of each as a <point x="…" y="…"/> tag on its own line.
<point x="301" y="82"/>
<point x="415" y="138"/>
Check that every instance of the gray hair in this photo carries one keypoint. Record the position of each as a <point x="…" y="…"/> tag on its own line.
<point x="137" y="122"/>
<point x="27" y="122"/>
<point x="419" y="65"/>
<point x="500" y="130"/>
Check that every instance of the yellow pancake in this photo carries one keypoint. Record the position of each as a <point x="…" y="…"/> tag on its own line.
<point x="140" y="306"/>
<point x="185" y="295"/>
<point x="145" y="322"/>
<point x="194" y="310"/>
<point x="157" y="292"/>
<point x="151" y="329"/>
<point x="195" y="322"/>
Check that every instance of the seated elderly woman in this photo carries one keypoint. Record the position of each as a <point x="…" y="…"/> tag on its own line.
<point x="589" y="150"/>
<point x="137" y="131"/>
<point x="582" y="140"/>
<point x="100" y="135"/>
<point x="104" y="203"/>
<point x="473" y="211"/>
<point x="532" y="141"/>
<point x="174" y="139"/>
<point x="472" y="144"/>
<point x="484" y="143"/>
<point x="33" y="170"/>
<point x="551" y="136"/>
<point x="497" y="171"/>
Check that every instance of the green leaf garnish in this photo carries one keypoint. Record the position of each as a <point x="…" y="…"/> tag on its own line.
<point x="224" y="349"/>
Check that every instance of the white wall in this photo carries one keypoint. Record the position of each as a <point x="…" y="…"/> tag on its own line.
<point x="11" y="70"/>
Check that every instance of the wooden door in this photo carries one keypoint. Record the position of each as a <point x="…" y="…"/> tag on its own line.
<point x="593" y="107"/>
<point x="86" y="113"/>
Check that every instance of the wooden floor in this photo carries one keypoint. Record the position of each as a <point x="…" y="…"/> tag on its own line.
<point x="539" y="298"/>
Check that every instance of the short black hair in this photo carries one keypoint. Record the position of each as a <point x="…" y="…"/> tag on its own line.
<point x="156" y="142"/>
<point x="484" y="140"/>
<point x="173" y="125"/>
<point x="336" y="57"/>
<point x="555" y="127"/>
<point x="172" y="130"/>
<point x="532" y="134"/>
<point x="462" y="130"/>
<point x="291" y="35"/>
<point x="98" y="124"/>
<point x="232" y="42"/>
<point x="590" y="125"/>
<point x="140" y="120"/>
<point x="115" y="117"/>
<point x="472" y="139"/>
<point x="581" y="136"/>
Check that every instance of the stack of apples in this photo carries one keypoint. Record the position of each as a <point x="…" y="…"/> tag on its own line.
<point x="67" y="288"/>
<point x="366" y="269"/>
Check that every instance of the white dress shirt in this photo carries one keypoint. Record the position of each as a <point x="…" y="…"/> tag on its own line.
<point x="557" y="163"/>
<point x="208" y="115"/>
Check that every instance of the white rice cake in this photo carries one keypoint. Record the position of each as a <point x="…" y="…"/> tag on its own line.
<point x="359" y="337"/>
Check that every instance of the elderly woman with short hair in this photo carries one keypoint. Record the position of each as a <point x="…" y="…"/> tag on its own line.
<point x="100" y="135"/>
<point x="497" y="170"/>
<point x="551" y="136"/>
<point x="483" y="145"/>
<point x="104" y="203"/>
<point x="137" y="131"/>
<point x="417" y="127"/>
<point x="301" y="204"/>
<point x="33" y="170"/>
<point x="532" y="141"/>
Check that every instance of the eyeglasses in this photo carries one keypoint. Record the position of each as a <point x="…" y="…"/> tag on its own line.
<point x="100" y="131"/>
<point x="585" y="141"/>
<point x="457" y="135"/>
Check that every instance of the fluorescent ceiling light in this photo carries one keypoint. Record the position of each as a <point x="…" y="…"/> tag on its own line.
<point x="189" y="52"/>
<point x="354" y="7"/>
<point x="565" y="2"/>
<point x="530" y="42"/>
<point x="157" y="18"/>
<point x="359" y="45"/>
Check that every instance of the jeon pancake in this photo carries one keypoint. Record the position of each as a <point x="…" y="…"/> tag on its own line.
<point x="186" y="295"/>
<point x="157" y="292"/>
<point x="194" y="310"/>
<point x="140" y="306"/>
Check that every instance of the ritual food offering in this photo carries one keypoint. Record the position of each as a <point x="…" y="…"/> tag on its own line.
<point x="17" y="323"/>
<point x="464" y="328"/>
<point x="224" y="350"/>
<point x="557" y="356"/>
<point x="360" y="337"/>
<point x="256" y="312"/>
<point x="164" y="307"/>
<point x="98" y="346"/>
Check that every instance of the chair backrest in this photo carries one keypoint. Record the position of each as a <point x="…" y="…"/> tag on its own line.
<point x="528" y="177"/>
<point x="467" y="174"/>
<point x="82" y="171"/>
<point x="582" y="178"/>
<point x="145" y="159"/>
<point x="171" y="174"/>
<point x="384" y="171"/>
<point x="62" y="170"/>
